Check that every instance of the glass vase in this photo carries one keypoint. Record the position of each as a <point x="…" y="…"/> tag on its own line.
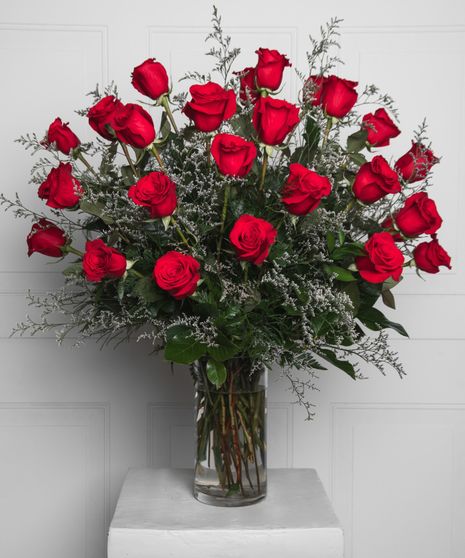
<point x="230" y="460"/>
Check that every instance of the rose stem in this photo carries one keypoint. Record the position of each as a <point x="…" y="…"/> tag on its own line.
<point x="166" y="105"/>
<point x="350" y="205"/>
<point x="264" y="166"/>
<point x="179" y="231"/>
<point x="72" y="250"/>
<point x="235" y="435"/>
<point x="252" y="399"/>
<point x="227" y="190"/>
<point x="329" y="124"/>
<point x="128" y="157"/>
<point x="158" y="158"/>
<point x="87" y="164"/>
<point x="136" y="273"/>
<point x="208" y="150"/>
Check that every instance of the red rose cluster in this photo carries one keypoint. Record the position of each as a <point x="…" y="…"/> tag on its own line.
<point x="273" y="120"/>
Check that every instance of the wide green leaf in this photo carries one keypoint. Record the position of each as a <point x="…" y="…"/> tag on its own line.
<point x="375" y="320"/>
<point x="216" y="372"/>
<point x="357" y="141"/>
<point x="343" y="365"/>
<point x="340" y="273"/>
<point x="95" y="209"/>
<point x="181" y="346"/>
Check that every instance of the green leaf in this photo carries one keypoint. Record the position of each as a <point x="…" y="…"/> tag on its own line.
<point x="120" y="288"/>
<point x="343" y="365"/>
<point x="181" y="346"/>
<point x="330" y="241"/>
<point x="216" y="372"/>
<point x="166" y="222"/>
<point x="347" y="250"/>
<point x="340" y="273"/>
<point x="357" y="141"/>
<point x="388" y="299"/>
<point x="95" y="209"/>
<point x="225" y="350"/>
<point x="375" y="320"/>
<point x="357" y="158"/>
<point x="146" y="290"/>
<point x="311" y="136"/>
<point x="73" y="269"/>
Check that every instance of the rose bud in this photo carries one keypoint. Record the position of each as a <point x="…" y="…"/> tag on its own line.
<point x="374" y="180"/>
<point x="177" y="274"/>
<point x="134" y="125"/>
<point x="313" y="89"/>
<point x="46" y="238"/>
<point x="210" y="106"/>
<point x="304" y="190"/>
<point x="155" y="191"/>
<point x="150" y="79"/>
<point x="430" y="255"/>
<point x="383" y="259"/>
<point x="418" y="216"/>
<point x="338" y="96"/>
<point x="248" y="87"/>
<point x="233" y="155"/>
<point x="270" y="68"/>
<point x="101" y="261"/>
<point x="274" y="119"/>
<point x="380" y="128"/>
<point x="252" y="238"/>
<point x="62" y="136"/>
<point x="416" y="163"/>
<point x="60" y="188"/>
<point x="102" y="115"/>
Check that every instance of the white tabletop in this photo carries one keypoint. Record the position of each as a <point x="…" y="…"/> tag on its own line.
<point x="157" y="515"/>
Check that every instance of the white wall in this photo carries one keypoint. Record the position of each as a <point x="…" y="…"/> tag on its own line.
<point x="391" y="453"/>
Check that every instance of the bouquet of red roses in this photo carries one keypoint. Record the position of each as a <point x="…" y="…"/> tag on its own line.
<point x="246" y="230"/>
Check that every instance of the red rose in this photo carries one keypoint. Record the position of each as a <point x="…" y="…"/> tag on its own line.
<point x="134" y="125"/>
<point x="270" y="68"/>
<point x="383" y="259"/>
<point x="313" y="89"/>
<point x="101" y="261"/>
<point x="46" y="238"/>
<point x="337" y="96"/>
<point x="274" y="119"/>
<point x="374" y="180"/>
<point x="418" y="216"/>
<point x="380" y="128"/>
<point x="248" y="87"/>
<point x="150" y="79"/>
<point x="177" y="273"/>
<point x="430" y="255"/>
<point x="62" y="136"/>
<point x="416" y="163"/>
<point x="304" y="189"/>
<point x="60" y="188"/>
<point x="233" y="154"/>
<point x="102" y="114"/>
<point x="155" y="191"/>
<point x="252" y="238"/>
<point x="210" y="106"/>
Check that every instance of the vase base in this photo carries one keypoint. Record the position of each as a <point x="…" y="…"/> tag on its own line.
<point x="220" y="499"/>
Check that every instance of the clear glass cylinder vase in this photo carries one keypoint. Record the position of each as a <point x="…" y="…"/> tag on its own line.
<point x="230" y="460"/>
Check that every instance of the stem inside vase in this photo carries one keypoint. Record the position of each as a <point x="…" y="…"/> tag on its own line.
<point x="230" y="462"/>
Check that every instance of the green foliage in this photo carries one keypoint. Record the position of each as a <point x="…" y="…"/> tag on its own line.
<point x="181" y="346"/>
<point x="304" y="298"/>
